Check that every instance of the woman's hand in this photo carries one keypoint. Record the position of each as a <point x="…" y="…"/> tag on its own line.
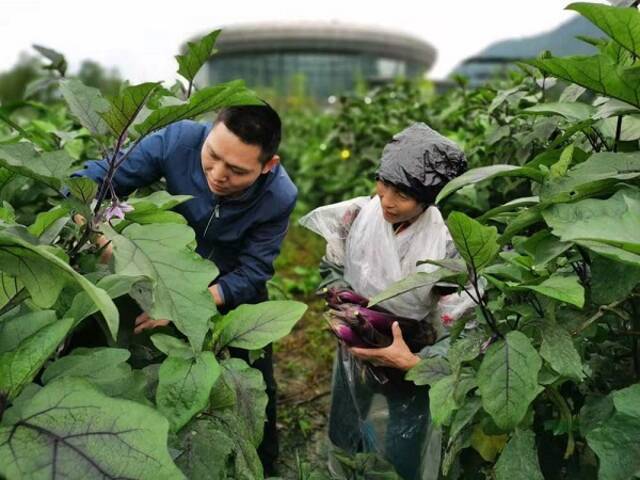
<point x="397" y="355"/>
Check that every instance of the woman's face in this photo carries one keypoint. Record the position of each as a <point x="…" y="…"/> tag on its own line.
<point x="397" y="206"/>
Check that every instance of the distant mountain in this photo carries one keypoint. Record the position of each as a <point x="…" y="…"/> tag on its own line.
<point x="561" y="41"/>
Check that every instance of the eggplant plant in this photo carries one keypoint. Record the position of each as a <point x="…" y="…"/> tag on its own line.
<point x="70" y="411"/>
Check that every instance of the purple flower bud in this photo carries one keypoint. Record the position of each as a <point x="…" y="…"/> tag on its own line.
<point x="117" y="209"/>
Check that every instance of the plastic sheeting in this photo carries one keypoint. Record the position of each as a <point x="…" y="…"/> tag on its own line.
<point x="422" y="161"/>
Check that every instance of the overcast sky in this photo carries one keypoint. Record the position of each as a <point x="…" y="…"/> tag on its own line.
<point x="140" y="37"/>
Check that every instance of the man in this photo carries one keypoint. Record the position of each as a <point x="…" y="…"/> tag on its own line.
<point x="242" y="201"/>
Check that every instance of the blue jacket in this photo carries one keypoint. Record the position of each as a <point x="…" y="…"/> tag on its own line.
<point x="242" y="235"/>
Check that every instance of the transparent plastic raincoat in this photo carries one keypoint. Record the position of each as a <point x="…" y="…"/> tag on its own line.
<point x="391" y="418"/>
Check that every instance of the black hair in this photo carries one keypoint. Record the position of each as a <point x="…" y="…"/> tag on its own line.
<point x="255" y="125"/>
<point x="425" y="196"/>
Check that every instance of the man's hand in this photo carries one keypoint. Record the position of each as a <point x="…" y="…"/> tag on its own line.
<point x="397" y="355"/>
<point x="144" y="322"/>
<point x="215" y="293"/>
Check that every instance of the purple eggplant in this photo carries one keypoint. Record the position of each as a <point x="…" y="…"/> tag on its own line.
<point x="336" y="297"/>
<point x="348" y="336"/>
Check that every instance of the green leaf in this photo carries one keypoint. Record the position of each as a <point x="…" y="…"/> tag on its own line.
<point x="574" y="111"/>
<point x="7" y="212"/>
<point x="600" y="172"/>
<point x="447" y="395"/>
<point x="42" y="274"/>
<point x="572" y="93"/>
<point x="48" y="219"/>
<point x="418" y="280"/>
<point x="508" y="379"/>
<point x="558" y="349"/>
<point x="207" y="436"/>
<point x="250" y="396"/>
<point x="161" y="199"/>
<point x="614" y="221"/>
<point x="197" y="54"/>
<point x="611" y="252"/>
<point x="114" y="285"/>
<point x="184" y="387"/>
<point x="205" y="450"/>
<point x="203" y="101"/>
<point x="480" y="174"/>
<point x="611" y="280"/>
<point x="51" y="168"/>
<point x="477" y="243"/>
<point x="510" y="206"/>
<point x="629" y="128"/>
<point x="87" y="104"/>
<point x="616" y="441"/>
<point x="153" y="209"/>
<point x="595" y="412"/>
<point x="124" y="108"/>
<point x="519" y="459"/>
<point x="463" y="416"/>
<point x="621" y="24"/>
<point x="610" y="107"/>
<point x="465" y="349"/>
<point x="598" y="73"/>
<point x="255" y="326"/>
<point x="544" y="247"/>
<point x="19" y="366"/>
<point x="523" y="220"/>
<point x="17" y="326"/>
<point x="488" y="445"/>
<point x="81" y="433"/>
<point x="83" y="188"/>
<point x="105" y="368"/>
<point x="429" y="371"/>
<point x="560" y="168"/>
<point x="9" y="287"/>
<point x="171" y="346"/>
<point x="58" y="62"/>
<point x="565" y="288"/>
<point x="83" y="362"/>
<point x="179" y="277"/>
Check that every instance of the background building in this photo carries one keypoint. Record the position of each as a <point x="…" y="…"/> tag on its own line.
<point x="326" y="58"/>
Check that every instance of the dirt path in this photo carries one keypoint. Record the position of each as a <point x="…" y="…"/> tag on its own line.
<point x="303" y="363"/>
<point x="303" y="360"/>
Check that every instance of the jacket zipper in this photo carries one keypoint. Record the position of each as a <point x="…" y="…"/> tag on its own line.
<point x="214" y="213"/>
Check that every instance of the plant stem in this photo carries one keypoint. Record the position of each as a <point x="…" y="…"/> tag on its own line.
<point x="635" y="324"/>
<point x="4" y="401"/>
<point x="601" y="138"/>
<point x="561" y="404"/>
<point x="618" y="133"/>
<point x="596" y="316"/>
<point x="105" y="186"/>
<point x="14" y="301"/>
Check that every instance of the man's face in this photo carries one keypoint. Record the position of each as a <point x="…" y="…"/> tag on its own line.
<point x="230" y="165"/>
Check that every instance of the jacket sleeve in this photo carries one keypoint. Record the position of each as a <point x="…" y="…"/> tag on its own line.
<point x="255" y="268"/>
<point x="143" y="166"/>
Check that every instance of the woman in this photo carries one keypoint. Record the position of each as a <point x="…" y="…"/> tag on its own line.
<point x="372" y="243"/>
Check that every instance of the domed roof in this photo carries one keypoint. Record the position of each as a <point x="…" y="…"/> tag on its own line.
<point x="326" y="37"/>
